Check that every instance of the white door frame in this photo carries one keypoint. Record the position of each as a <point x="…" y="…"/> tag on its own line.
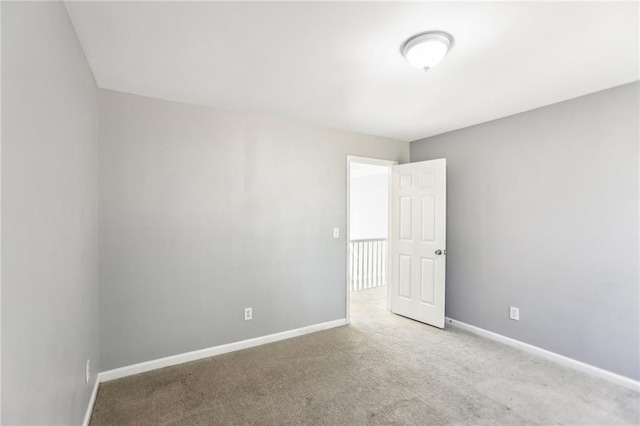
<point x="373" y="162"/>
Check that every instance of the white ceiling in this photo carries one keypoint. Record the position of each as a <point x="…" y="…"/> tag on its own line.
<point x="337" y="64"/>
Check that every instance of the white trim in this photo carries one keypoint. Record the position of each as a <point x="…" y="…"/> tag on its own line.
<point x="373" y="162"/>
<point x="92" y="401"/>
<point x="560" y="359"/>
<point x="370" y="161"/>
<point x="143" y="367"/>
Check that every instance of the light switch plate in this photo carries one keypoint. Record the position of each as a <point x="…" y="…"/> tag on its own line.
<point x="514" y="313"/>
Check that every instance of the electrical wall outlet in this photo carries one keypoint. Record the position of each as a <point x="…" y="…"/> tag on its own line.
<point x="514" y="313"/>
<point x="336" y="232"/>
<point x="87" y="371"/>
<point x="248" y="314"/>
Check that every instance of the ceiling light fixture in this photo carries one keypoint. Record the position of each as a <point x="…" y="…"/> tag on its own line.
<point x="426" y="50"/>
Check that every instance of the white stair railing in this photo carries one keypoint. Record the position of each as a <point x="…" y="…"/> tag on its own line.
<point x="367" y="263"/>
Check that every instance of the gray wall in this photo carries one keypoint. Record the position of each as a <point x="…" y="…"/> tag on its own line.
<point x="205" y="212"/>
<point x="543" y="214"/>
<point x="49" y="217"/>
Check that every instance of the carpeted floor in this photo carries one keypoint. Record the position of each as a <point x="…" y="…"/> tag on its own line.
<point x="381" y="369"/>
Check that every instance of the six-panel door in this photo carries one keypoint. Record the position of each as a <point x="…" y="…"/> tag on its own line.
<point x="418" y="226"/>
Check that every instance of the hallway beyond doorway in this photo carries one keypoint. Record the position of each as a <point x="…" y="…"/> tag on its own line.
<point x="368" y="223"/>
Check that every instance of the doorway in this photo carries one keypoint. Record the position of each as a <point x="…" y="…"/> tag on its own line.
<point x="368" y="210"/>
<point x="396" y="257"/>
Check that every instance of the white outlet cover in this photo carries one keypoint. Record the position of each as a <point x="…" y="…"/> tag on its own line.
<point x="248" y="314"/>
<point x="336" y="232"/>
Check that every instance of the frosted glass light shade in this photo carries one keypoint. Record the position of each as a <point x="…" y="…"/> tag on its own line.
<point x="426" y="50"/>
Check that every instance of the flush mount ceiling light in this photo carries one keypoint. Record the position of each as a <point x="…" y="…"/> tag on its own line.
<point x="426" y="50"/>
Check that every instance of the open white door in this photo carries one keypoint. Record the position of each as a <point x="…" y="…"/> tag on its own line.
<point x="418" y="241"/>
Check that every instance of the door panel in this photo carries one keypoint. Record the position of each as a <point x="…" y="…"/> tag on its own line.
<point x="406" y="213"/>
<point x="404" y="276"/>
<point x="429" y="218"/>
<point x="418" y="234"/>
<point x="428" y="290"/>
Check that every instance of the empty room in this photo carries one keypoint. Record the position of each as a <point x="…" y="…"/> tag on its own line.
<point x="323" y="213"/>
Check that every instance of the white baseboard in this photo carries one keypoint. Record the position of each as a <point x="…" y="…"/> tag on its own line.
<point x="92" y="401"/>
<point x="143" y="367"/>
<point x="561" y="359"/>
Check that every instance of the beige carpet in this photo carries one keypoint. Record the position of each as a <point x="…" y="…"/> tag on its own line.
<point x="381" y="369"/>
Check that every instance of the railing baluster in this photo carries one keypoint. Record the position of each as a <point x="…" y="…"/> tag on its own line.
<point x="385" y="262"/>
<point x="363" y="265"/>
<point x="368" y="260"/>
<point x="382" y="261"/>
<point x="373" y="264"/>
<point x="361" y="252"/>
<point x="380" y="265"/>
<point x="365" y="259"/>
<point x="360" y="260"/>
<point x="378" y="260"/>
<point x="368" y="244"/>
<point x="366" y="264"/>
<point x="365" y="275"/>
<point x="371" y="245"/>
<point x="376" y="263"/>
